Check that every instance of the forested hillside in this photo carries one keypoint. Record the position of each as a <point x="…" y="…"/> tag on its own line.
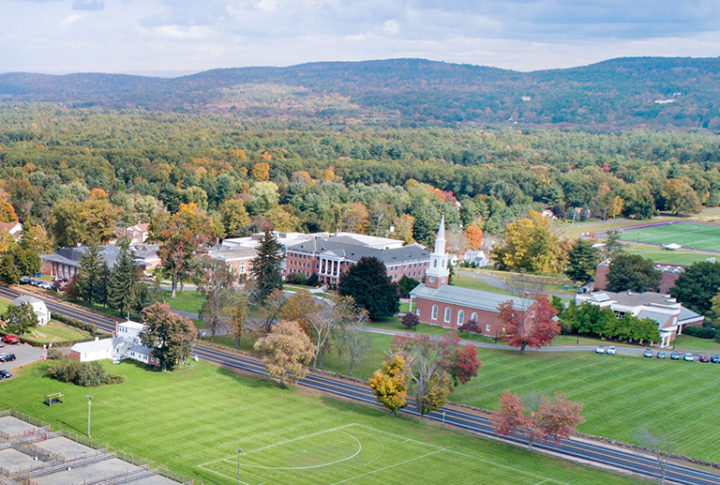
<point x="631" y="93"/>
<point x="80" y="173"/>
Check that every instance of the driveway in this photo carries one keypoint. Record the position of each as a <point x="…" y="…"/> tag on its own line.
<point x="24" y="354"/>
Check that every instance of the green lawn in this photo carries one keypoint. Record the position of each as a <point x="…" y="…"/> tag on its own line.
<point x="696" y="343"/>
<point x="192" y="419"/>
<point x="4" y="303"/>
<point x="687" y="234"/>
<point x="660" y="255"/>
<point x="467" y="281"/>
<point x="187" y="301"/>
<point x="619" y="393"/>
<point x="55" y="332"/>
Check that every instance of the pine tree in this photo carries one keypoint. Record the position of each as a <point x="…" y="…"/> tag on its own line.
<point x="267" y="265"/>
<point x="124" y="278"/>
<point x="368" y="283"/>
<point x="582" y="259"/>
<point x="89" y="274"/>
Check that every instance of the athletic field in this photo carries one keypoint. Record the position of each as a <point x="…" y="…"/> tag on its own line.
<point x="686" y="234"/>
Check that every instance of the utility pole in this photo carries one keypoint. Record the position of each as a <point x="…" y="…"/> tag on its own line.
<point x="89" y="408"/>
<point x="238" y="466"/>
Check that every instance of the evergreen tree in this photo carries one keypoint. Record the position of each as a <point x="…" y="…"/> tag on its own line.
<point x="124" y="279"/>
<point x="89" y="275"/>
<point x="582" y="259"/>
<point x="103" y="286"/>
<point x="633" y="272"/>
<point x="368" y="283"/>
<point x="267" y="265"/>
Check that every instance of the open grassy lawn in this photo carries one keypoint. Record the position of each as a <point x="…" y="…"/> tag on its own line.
<point x="592" y="227"/>
<point x="688" y="235"/>
<point x="4" y="303"/>
<point x="660" y="255"/>
<point x="696" y="343"/>
<point x="467" y="281"/>
<point x="619" y="393"/>
<point x="55" y="332"/>
<point x="187" y="301"/>
<point x="192" y="419"/>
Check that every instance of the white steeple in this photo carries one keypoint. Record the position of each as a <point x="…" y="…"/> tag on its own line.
<point x="437" y="272"/>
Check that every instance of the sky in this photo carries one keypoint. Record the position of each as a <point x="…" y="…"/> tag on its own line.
<point x="175" y="37"/>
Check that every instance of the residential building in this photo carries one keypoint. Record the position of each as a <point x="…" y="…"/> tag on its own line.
<point x="137" y="234"/>
<point x="669" y="314"/>
<point x="331" y="256"/>
<point x="126" y="344"/>
<point x="437" y="303"/>
<point x="13" y="228"/>
<point x="668" y="274"/>
<point x="38" y="306"/>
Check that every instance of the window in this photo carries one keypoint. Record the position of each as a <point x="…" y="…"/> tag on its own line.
<point x="446" y="317"/>
<point x="487" y="327"/>
<point x="473" y="316"/>
<point x="434" y="312"/>
<point x="460" y="317"/>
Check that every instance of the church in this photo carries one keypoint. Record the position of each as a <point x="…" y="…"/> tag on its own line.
<point x="437" y="303"/>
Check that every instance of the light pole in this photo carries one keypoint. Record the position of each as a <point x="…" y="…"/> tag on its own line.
<point x="238" y="465"/>
<point x="89" y="408"/>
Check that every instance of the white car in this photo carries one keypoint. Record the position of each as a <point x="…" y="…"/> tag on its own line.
<point x="610" y="350"/>
<point x="600" y="349"/>
<point x="689" y="357"/>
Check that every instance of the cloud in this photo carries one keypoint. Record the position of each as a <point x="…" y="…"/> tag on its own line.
<point x="91" y="5"/>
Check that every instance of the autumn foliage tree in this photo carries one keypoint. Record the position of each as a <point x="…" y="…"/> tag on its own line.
<point x="554" y="419"/>
<point x="434" y="365"/>
<point x="390" y="384"/>
<point x="286" y="350"/>
<point x="168" y="334"/>
<point x="534" y="326"/>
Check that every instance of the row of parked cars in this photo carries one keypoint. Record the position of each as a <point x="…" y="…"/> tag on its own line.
<point x="661" y="354"/>
<point x="46" y="285"/>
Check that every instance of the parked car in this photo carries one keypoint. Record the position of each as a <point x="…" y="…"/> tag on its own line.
<point x="610" y="350"/>
<point x="675" y="356"/>
<point x="661" y="355"/>
<point x="5" y="374"/>
<point x="600" y="349"/>
<point x="715" y="359"/>
<point x="648" y="353"/>
<point x="689" y="357"/>
<point x="6" y="357"/>
<point x="10" y="339"/>
<point x="24" y="280"/>
<point x="704" y="358"/>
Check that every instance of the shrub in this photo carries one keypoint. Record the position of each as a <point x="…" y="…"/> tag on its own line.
<point x="297" y="278"/>
<point x="700" y="332"/>
<point x="410" y="320"/>
<point x="88" y="327"/>
<point x="87" y="374"/>
<point x="313" y="280"/>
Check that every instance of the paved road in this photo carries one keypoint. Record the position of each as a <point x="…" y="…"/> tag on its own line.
<point x="573" y="448"/>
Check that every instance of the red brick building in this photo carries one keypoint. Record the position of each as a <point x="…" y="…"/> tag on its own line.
<point x="330" y="257"/>
<point x="669" y="273"/>
<point x="437" y="303"/>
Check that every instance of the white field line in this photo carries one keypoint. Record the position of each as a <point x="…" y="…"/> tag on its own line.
<point x="357" y="452"/>
<point x="440" y="450"/>
<point x="222" y="474"/>
<point x="233" y="457"/>
<point x="518" y="470"/>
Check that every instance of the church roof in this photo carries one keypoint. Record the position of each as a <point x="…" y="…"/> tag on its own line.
<point x="478" y="299"/>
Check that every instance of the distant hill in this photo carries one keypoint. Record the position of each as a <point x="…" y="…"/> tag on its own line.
<point x="657" y="93"/>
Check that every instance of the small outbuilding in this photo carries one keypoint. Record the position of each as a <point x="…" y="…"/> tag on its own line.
<point x="38" y="306"/>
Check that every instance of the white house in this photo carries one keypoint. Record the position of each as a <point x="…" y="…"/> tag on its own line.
<point x="38" y="306"/>
<point x="125" y="345"/>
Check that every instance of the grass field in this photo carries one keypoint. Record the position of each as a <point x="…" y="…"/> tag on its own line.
<point x="192" y="419"/>
<point x="187" y="301"/>
<point x="619" y="393"/>
<point x="688" y="235"/>
<point x="660" y="255"/>
<point x="55" y="332"/>
<point x="4" y="303"/>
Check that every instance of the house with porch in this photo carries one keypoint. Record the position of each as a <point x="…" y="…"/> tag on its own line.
<point x="126" y="344"/>
<point x="38" y="307"/>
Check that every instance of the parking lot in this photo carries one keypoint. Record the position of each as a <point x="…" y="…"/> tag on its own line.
<point x="24" y="354"/>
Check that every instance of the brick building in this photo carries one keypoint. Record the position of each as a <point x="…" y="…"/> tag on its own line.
<point x="438" y="303"/>
<point x="668" y="274"/>
<point x="330" y="257"/>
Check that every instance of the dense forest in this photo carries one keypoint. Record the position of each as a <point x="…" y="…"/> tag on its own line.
<point x="80" y="173"/>
<point x="627" y="93"/>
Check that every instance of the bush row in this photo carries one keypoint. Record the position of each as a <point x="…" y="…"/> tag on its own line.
<point x="88" y="327"/>
<point x="88" y="374"/>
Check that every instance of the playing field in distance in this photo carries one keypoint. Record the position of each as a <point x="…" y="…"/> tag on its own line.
<point x="687" y="234"/>
<point x="356" y="454"/>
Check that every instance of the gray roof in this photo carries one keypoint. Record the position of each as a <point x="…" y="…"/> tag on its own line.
<point x="688" y="316"/>
<point x="631" y="298"/>
<point x="26" y="299"/>
<point x="140" y="349"/>
<point x="481" y="300"/>
<point x="72" y="256"/>
<point x="349" y="248"/>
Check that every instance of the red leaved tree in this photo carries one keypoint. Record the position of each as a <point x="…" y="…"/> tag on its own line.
<point x="533" y="326"/>
<point x="554" y="420"/>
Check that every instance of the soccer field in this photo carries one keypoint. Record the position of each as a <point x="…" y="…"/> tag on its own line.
<point x="688" y="235"/>
<point x="191" y="421"/>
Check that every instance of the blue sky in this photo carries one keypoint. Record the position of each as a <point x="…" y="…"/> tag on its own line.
<point x="170" y="37"/>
